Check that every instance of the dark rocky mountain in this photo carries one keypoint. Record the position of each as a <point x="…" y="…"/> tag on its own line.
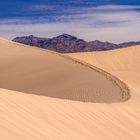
<point x="128" y="44"/>
<point x="70" y="44"/>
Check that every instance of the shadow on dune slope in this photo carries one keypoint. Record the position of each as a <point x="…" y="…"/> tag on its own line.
<point x="39" y="72"/>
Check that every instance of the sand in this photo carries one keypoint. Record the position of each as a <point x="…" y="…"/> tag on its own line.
<point x="36" y="71"/>
<point x="46" y="96"/>
<point x="125" y="64"/>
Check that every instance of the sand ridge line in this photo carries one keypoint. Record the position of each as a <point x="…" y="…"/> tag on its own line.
<point x="123" y="87"/>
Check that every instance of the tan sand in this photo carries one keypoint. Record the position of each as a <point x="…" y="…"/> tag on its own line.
<point x="125" y="64"/>
<point x="35" y="115"/>
<point x="36" y="71"/>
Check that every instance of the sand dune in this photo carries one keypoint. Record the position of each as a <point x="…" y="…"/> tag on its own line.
<point x="36" y="71"/>
<point x="30" y="77"/>
<point x="125" y="59"/>
<point x="124" y="63"/>
<point x="27" y="116"/>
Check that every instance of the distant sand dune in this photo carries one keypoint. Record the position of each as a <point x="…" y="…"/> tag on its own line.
<point x="36" y="71"/>
<point x="116" y="60"/>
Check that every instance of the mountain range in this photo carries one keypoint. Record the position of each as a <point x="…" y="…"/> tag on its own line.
<point x="66" y="43"/>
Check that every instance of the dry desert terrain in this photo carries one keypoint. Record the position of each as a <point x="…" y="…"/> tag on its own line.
<point x="46" y="95"/>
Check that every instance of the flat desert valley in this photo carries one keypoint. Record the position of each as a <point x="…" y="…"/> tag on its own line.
<point x="79" y="96"/>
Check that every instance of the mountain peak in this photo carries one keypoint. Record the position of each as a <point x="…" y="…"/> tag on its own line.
<point x="31" y="36"/>
<point x="66" y="36"/>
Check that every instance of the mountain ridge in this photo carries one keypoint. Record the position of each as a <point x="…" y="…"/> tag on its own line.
<point x="66" y="43"/>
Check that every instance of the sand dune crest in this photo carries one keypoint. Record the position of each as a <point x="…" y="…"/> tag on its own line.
<point x="40" y="72"/>
<point x="25" y="116"/>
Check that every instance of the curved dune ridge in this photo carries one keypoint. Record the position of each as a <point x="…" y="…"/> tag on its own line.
<point x="25" y="116"/>
<point x="40" y="72"/>
<point x="123" y="63"/>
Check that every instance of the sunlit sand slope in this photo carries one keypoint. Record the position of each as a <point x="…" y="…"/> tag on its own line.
<point x="32" y="117"/>
<point x="124" y="63"/>
<point x="125" y="59"/>
<point x="35" y="115"/>
<point x="40" y="72"/>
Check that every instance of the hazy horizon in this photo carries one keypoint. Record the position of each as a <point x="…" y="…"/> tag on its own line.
<point x="106" y="20"/>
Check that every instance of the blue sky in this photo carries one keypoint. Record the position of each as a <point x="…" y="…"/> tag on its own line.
<point x="111" y="20"/>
